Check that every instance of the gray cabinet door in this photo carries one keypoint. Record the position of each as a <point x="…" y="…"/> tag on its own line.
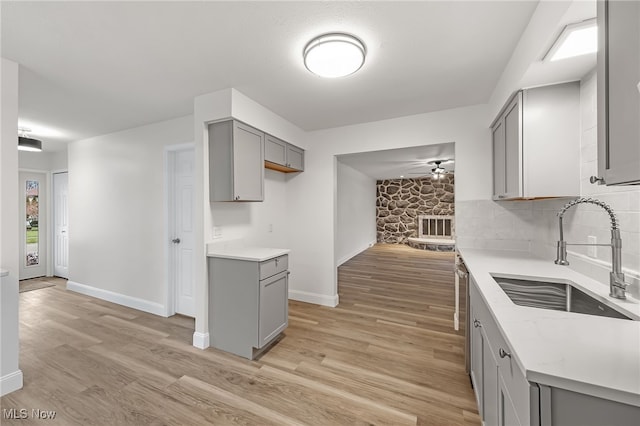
<point x="274" y="307"/>
<point x="236" y="162"/>
<point x="489" y="384"/>
<point x="507" y="151"/>
<point x="513" y="148"/>
<point x="507" y="415"/>
<point x="295" y="158"/>
<point x="476" y="359"/>
<point x="499" y="187"/>
<point x="619" y="92"/>
<point x="275" y="150"/>
<point x="248" y="163"/>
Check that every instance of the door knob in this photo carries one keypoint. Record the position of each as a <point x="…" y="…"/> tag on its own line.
<point x="504" y="354"/>
<point x="176" y="241"/>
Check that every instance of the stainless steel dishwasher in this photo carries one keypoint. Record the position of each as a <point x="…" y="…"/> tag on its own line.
<point x="462" y="307"/>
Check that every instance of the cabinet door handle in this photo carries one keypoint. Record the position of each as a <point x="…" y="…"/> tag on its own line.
<point x="504" y="354"/>
<point x="476" y="323"/>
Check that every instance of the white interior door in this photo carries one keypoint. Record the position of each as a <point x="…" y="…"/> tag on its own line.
<point x="61" y="225"/>
<point x="182" y="232"/>
<point x="32" y="193"/>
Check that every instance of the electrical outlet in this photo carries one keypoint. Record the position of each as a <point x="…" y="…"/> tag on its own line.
<point x="592" y="251"/>
<point x="217" y="232"/>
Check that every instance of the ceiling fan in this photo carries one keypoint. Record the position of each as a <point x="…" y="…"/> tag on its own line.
<point x="437" y="172"/>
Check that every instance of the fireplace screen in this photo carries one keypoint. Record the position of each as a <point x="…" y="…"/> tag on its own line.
<point x="436" y="227"/>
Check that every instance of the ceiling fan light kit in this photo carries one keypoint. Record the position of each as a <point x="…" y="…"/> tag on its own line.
<point x="438" y="171"/>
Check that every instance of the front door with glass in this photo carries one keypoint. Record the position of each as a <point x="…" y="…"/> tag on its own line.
<point x="33" y="226"/>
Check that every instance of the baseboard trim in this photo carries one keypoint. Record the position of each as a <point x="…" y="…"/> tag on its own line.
<point x="201" y="340"/>
<point x="120" y="299"/>
<point x="315" y="298"/>
<point x="355" y="253"/>
<point x="10" y="382"/>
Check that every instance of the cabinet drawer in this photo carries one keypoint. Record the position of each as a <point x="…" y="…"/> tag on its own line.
<point x="270" y="267"/>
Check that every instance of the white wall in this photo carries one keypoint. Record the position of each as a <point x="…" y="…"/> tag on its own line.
<point x="312" y="195"/>
<point x="59" y="161"/>
<point x="249" y="221"/>
<point x="262" y="224"/>
<point x="533" y="44"/>
<point x="588" y="220"/>
<point x="356" y="205"/>
<point x="10" y="374"/>
<point x="117" y="214"/>
<point x="44" y="161"/>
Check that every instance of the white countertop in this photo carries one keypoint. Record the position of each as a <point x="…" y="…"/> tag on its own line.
<point x="256" y="254"/>
<point x="3" y="272"/>
<point x="583" y="353"/>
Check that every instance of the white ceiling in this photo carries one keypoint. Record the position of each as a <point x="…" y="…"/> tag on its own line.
<point x="395" y="163"/>
<point x="90" y="68"/>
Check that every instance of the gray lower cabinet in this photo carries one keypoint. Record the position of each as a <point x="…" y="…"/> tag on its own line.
<point x="282" y="156"/>
<point x="561" y="407"/>
<point x="506" y="398"/>
<point x="236" y="162"/>
<point x="619" y="92"/>
<point x="502" y="391"/>
<point x="248" y="303"/>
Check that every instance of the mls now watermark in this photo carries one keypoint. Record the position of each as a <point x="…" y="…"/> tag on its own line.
<point x="23" y="414"/>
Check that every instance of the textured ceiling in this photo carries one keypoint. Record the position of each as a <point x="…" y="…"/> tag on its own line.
<point x="90" y="68"/>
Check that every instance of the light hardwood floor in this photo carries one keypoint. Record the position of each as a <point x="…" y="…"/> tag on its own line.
<point x="386" y="355"/>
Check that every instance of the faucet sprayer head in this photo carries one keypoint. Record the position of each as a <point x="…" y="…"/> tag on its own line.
<point x="587" y="200"/>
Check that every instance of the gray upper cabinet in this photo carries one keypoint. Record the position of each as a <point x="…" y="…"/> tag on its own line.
<point x="619" y="92"/>
<point x="536" y="144"/>
<point x="295" y="158"/>
<point x="282" y="156"/>
<point x="236" y="162"/>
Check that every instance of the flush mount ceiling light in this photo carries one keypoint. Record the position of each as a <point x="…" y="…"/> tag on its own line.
<point x="28" y="144"/>
<point x="334" y="55"/>
<point x="575" y="39"/>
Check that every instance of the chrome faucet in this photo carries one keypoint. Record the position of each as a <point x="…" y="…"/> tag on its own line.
<point x="616" y="277"/>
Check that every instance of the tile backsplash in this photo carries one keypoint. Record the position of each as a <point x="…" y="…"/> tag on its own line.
<point x="533" y="225"/>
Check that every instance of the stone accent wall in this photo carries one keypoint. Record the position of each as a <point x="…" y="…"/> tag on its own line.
<point x="400" y="201"/>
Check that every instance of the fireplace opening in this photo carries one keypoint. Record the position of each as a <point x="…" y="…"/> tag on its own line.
<point x="435" y="232"/>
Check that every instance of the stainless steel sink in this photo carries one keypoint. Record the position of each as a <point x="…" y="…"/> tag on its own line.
<point x="555" y="296"/>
